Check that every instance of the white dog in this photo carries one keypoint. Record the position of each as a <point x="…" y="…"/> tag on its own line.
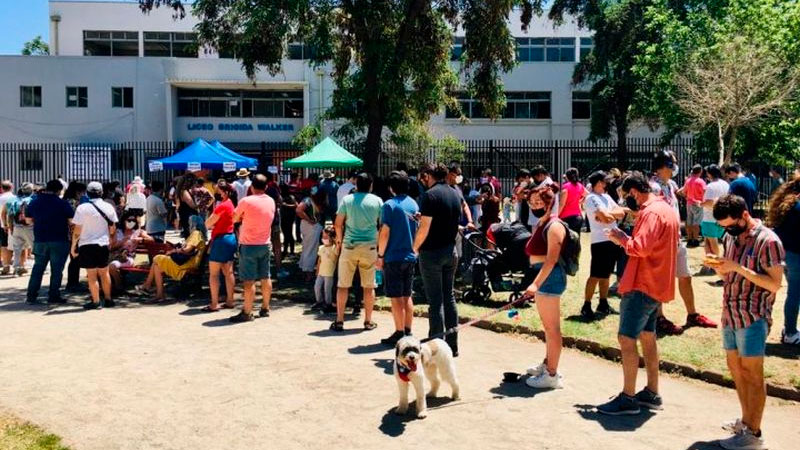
<point x="435" y="357"/>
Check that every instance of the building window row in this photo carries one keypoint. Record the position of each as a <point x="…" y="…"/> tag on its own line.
<point x="538" y="49"/>
<point x="126" y="43"/>
<point x="523" y="105"/>
<point x="76" y="97"/>
<point x="235" y="103"/>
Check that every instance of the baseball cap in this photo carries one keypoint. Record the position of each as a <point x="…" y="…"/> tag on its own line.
<point x="94" y="187"/>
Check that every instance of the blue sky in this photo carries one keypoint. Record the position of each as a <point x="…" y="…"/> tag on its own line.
<point x="21" y="21"/>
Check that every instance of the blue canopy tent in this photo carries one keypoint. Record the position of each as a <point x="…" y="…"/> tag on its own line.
<point x="202" y="155"/>
<point x="219" y="146"/>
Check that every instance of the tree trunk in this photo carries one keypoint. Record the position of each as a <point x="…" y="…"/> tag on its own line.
<point x="721" y="143"/>
<point x="372" y="146"/>
<point x="731" y="144"/>
<point x="621" y="124"/>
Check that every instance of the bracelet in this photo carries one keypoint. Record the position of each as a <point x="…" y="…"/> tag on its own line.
<point x="380" y="256"/>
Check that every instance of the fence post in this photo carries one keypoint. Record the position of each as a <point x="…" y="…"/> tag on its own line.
<point x="554" y="157"/>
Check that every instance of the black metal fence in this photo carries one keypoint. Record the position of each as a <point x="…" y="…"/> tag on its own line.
<point x="39" y="162"/>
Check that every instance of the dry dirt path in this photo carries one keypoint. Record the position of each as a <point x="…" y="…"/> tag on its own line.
<point x="163" y="377"/>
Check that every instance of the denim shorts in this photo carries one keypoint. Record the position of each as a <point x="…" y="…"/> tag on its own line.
<point x="555" y="284"/>
<point x="254" y="262"/>
<point x="749" y="341"/>
<point x="223" y="247"/>
<point x="637" y="313"/>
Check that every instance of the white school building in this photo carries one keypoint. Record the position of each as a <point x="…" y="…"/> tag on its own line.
<point x="118" y="75"/>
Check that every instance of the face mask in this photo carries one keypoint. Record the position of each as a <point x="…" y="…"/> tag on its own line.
<point x="484" y="180"/>
<point x="218" y="197"/>
<point x="631" y="203"/>
<point x="326" y="241"/>
<point x="675" y="171"/>
<point x="538" y="213"/>
<point x="130" y="224"/>
<point x="459" y="179"/>
<point x="736" y="229"/>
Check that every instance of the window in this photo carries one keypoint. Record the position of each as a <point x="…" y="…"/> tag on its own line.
<point x="30" y="96"/>
<point x="587" y="44"/>
<point x="230" y="103"/>
<point x="110" y="43"/>
<point x="457" y="50"/>
<point x="122" y="97"/>
<point x="298" y="50"/>
<point x="545" y="49"/>
<point x="178" y="45"/>
<point x="77" y="97"/>
<point x="31" y="159"/>
<point x="581" y="105"/>
<point x="519" y="105"/>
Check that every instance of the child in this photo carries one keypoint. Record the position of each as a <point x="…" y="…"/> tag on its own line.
<point x="506" y="210"/>
<point x="326" y="267"/>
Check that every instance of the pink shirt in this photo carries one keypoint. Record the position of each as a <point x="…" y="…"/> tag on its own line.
<point x="575" y="193"/>
<point x="653" y="252"/>
<point x="257" y="213"/>
<point x="694" y="187"/>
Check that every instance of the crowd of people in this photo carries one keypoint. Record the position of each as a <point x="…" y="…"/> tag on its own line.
<point x="370" y="231"/>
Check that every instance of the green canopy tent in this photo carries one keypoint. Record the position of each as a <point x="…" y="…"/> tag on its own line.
<point x="325" y="155"/>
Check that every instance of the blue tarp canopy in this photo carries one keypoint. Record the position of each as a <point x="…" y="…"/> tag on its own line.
<point x="203" y="155"/>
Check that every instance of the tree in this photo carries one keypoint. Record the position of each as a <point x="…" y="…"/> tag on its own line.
<point x="36" y="47"/>
<point x="619" y="32"/>
<point x="741" y="84"/>
<point x="390" y="59"/>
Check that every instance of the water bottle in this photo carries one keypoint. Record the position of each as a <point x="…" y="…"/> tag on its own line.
<point x="378" y="277"/>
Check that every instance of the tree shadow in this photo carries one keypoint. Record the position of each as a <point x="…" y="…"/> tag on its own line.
<point x="369" y="348"/>
<point x="704" y="445"/>
<point x="783" y="351"/>
<point x="386" y="364"/>
<point x="615" y="423"/>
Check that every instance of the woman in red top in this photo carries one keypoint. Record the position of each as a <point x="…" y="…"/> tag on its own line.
<point x="570" y="200"/>
<point x="544" y="250"/>
<point x="223" y="245"/>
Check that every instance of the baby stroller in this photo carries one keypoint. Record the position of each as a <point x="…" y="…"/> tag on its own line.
<point x="499" y="253"/>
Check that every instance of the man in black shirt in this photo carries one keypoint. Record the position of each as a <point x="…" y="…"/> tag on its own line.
<point x="440" y="210"/>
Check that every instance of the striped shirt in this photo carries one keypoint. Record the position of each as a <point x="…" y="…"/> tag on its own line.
<point x="743" y="302"/>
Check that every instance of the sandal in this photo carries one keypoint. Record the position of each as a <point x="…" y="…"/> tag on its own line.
<point x="370" y="325"/>
<point x="337" y="326"/>
<point x="209" y="309"/>
<point x="227" y="306"/>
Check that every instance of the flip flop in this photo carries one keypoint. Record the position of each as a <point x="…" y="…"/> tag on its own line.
<point x="337" y="326"/>
<point x="209" y="309"/>
<point x="227" y="306"/>
<point x="370" y="325"/>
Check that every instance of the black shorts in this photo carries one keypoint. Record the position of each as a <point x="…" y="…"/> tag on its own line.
<point x="575" y="223"/>
<point x="604" y="259"/>
<point x="138" y="212"/>
<point x="398" y="278"/>
<point x="3" y="238"/>
<point x="93" y="256"/>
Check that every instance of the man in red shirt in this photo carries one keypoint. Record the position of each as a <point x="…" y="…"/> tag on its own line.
<point x="693" y="189"/>
<point x="648" y="281"/>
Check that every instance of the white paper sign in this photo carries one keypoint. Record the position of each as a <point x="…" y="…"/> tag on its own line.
<point x="88" y="162"/>
<point x="272" y="169"/>
<point x="155" y="166"/>
<point x="193" y="166"/>
<point x="228" y="166"/>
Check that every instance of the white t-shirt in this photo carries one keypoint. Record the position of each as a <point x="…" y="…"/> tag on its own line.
<point x="94" y="228"/>
<point x="5" y="198"/>
<point x="242" y="187"/>
<point x="135" y="200"/>
<point x="714" y="190"/>
<point x="598" y="202"/>
<point x="343" y="191"/>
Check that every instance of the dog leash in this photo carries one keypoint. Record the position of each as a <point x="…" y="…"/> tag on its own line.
<point x="472" y="322"/>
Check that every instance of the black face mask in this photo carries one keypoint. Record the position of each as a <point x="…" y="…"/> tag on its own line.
<point x="631" y="203"/>
<point x="736" y="229"/>
<point x="538" y="213"/>
<point x="218" y="197"/>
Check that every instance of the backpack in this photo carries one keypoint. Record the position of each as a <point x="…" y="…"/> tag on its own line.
<point x="570" y="248"/>
<point x="18" y="211"/>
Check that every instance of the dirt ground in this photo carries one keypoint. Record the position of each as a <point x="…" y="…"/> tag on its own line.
<point x="166" y="377"/>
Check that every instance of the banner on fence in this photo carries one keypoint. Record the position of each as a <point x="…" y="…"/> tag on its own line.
<point x="228" y="166"/>
<point x="88" y="163"/>
<point x="155" y="166"/>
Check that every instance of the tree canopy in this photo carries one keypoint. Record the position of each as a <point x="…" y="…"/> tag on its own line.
<point x="389" y="59"/>
<point x="35" y="47"/>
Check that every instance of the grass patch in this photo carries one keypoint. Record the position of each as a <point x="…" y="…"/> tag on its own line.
<point x="19" y="435"/>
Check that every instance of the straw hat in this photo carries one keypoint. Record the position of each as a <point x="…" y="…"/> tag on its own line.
<point x="242" y="173"/>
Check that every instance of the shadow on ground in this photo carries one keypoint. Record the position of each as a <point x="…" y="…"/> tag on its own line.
<point x="704" y="445"/>
<point x="615" y="423"/>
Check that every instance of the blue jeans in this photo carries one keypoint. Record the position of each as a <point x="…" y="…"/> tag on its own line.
<point x="790" y="308"/>
<point x="438" y="268"/>
<point x="54" y="253"/>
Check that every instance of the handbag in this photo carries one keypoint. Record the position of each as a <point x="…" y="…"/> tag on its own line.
<point x="180" y="258"/>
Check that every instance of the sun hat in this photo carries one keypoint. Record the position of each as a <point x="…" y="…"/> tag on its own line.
<point x="242" y="173"/>
<point x="327" y="174"/>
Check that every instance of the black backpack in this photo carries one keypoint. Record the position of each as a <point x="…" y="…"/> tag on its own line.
<point x="570" y="248"/>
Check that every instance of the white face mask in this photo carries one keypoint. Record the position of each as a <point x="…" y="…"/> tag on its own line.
<point x="130" y="225"/>
<point x="484" y="180"/>
<point x="675" y="171"/>
<point x="326" y="241"/>
<point x="459" y="179"/>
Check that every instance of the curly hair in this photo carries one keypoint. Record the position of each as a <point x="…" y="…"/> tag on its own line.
<point x="782" y="201"/>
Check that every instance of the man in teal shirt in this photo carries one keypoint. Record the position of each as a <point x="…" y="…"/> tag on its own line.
<point x="357" y="240"/>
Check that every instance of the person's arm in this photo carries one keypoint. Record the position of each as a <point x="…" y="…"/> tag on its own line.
<point x="555" y="240"/>
<point x="422" y="232"/>
<point x="76" y="234"/>
<point x="383" y="241"/>
<point x="339" y="227"/>
<point x="144" y="237"/>
<point x="212" y="220"/>
<point x="562" y="199"/>
<point x="770" y="281"/>
<point x="301" y="212"/>
<point x="641" y="244"/>
<point x="162" y="209"/>
<point x="467" y="213"/>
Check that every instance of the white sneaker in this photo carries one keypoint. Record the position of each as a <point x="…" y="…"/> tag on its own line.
<point x="535" y="371"/>
<point x="743" y="440"/>
<point x="734" y="426"/>
<point x="790" y="339"/>
<point x="545" y="381"/>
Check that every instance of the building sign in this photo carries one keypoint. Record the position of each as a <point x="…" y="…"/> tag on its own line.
<point x="240" y="127"/>
<point x="155" y="166"/>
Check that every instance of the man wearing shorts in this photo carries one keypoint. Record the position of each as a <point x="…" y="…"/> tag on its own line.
<point x="94" y="225"/>
<point x="6" y="195"/>
<point x="665" y="165"/>
<point x="357" y="238"/>
<point x="256" y="212"/>
<point x="648" y="282"/>
<point x="396" y="256"/>
<point x="693" y="190"/>
<point x="752" y="271"/>
<point x="712" y="233"/>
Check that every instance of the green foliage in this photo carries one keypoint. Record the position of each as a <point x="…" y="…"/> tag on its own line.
<point x="390" y="60"/>
<point x="307" y="137"/>
<point x="414" y="145"/>
<point x="36" y="47"/>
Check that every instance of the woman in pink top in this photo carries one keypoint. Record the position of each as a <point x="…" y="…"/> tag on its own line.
<point x="571" y="198"/>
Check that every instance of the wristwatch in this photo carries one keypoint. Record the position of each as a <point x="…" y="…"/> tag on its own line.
<point x="380" y="256"/>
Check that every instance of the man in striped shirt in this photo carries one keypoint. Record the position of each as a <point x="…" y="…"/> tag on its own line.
<point x="752" y="271"/>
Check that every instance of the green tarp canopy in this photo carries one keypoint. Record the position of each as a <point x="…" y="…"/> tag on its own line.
<point x="325" y="155"/>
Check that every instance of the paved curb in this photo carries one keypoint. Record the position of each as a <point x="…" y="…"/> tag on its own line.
<point x="613" y="354"/>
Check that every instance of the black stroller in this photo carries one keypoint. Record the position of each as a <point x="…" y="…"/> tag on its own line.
<point x="491" y="257"/>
